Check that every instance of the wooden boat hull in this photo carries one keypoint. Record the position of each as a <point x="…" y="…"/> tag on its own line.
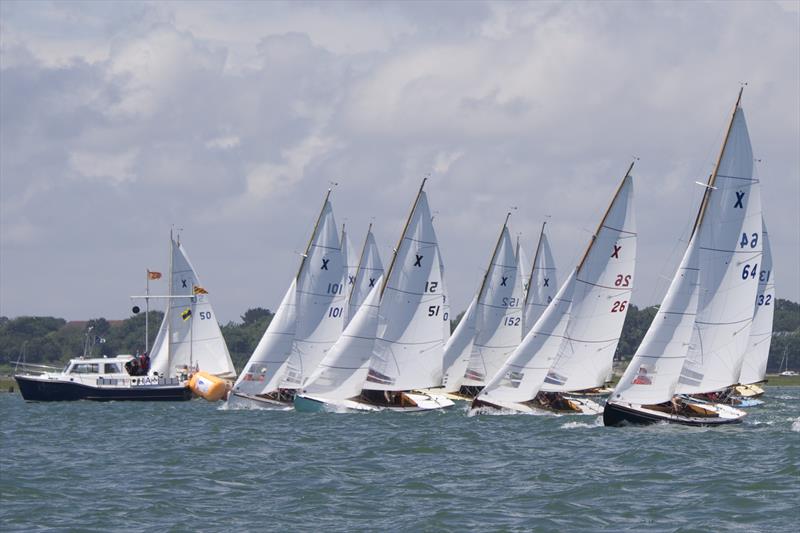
<point x="620" y="415"/>
<point x="35" y="389"/>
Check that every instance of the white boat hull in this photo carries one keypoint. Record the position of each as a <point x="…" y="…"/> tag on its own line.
<point x="583" y="406"/>
<point x="422" y="401"/>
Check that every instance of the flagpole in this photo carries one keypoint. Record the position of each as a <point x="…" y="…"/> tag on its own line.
<point x="147" y="314"/>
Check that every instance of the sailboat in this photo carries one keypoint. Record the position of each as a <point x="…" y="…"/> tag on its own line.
<point x="305" y="326"/>
<point x="341" y="374"/>
<point x="754" y="368"/>
<point x="189" y="344"/>
<point x="571" y="346"/>
<point x="408" y="349"/>
<point x="697" y="340"/>
<point x="542" y="283"/>
<point x="189" y="338"/>
<point x="498" y="315"/>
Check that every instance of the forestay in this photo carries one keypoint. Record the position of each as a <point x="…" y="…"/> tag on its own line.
<point x="603" y="285"/>
<point x="498" y="314"/>
<point x="320" y="301"/>
<point x="754" y="368"/>
<point x="522" y="375"/>
<point x="343" y="370"/>
<point x="189" y="326"/>
<point x="542" y="284"/>
<point x="729" y="238"/>
<point x="652" y="374"/>
<point x="408" y="349"/>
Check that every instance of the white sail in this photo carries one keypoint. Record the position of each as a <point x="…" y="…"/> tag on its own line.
<point x="408" y="350"/>
<point x="320" y="301"/>
<point x="369" y="269"/>
<point x="499" y="314"/>
<point x="350" y="262"/>
<point x="754" y="368"/>
<point x="192" y="332"/>
<point x="729" y="240"/>
<point x="458" y="349"/>
<point x="522" y="375"/>
<point x="264" y="368"/>
<point x="542" y="284"/>
<point x="603" y="285"/>
<point x="522" y="270"/>
<point x="343" y="370"/>
<point x="652" y="374"/>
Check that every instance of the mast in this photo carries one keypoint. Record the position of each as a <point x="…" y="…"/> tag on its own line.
<point x="605" y="216"/>
<point x="314" y="233"/>
<point x="713" y="177"/>
<point x="147" y="313"/>
<point x="169" y="304"/>
<point x="402" y="236"/>
<point x="533" y="265"/>
<point x="360" y="261"/>
<point x="491" y="259"/>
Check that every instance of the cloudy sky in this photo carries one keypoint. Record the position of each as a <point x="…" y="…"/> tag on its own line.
<point x="122" y="119"/>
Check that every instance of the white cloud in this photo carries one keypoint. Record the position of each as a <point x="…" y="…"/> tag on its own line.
<point x="116" y="168"/>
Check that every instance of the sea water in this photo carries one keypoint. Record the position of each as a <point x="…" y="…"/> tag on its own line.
<point x="193" y="466"/>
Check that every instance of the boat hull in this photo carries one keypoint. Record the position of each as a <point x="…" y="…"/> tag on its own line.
<point x="619" y="415"/>
<point x="247" y="401"/>
<point x="311" y="404"/>
<point x="581" y="406"/>
<point x="33" y="389"/>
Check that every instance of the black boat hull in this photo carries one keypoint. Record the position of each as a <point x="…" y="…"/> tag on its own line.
<point x="37" y="390"/>
<point x="617" y="415"/>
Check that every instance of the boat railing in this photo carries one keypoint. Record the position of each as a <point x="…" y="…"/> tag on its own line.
<point x="33" y="369"/>
<point x="138" y="381"/>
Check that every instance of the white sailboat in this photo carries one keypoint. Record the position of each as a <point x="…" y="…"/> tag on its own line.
<point x="571" y="346"/>
<point x="341" y="374"/>
<point x="498" y="316"/>
<point x="542" y="283"/>
<point x="697" y="340"/>
<point x="458" y="350"/>
<point x="754" y="368"/>
<point x="307" y="323"/>
<point x="409" y="343"/>
<point x="189" y="338"/>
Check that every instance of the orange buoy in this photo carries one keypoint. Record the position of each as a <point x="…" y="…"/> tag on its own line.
<point x="208" y="386"/>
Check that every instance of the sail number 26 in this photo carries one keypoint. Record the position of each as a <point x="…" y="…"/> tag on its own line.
<point x="619" y="306"/>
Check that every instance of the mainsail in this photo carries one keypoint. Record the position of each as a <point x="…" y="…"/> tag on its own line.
<point x="754" y="367"/>
<point x="189" y="335"/>
<point x="728" y="231"/>
<point x="350" y="262"/>
<point x="408" y="350"/>
<point x="542" y="284"/>
<point x="321" y="301"/>
<point x="498" y="313"/>
<point x="603" y="284"/>
<point x="369" y="269"/>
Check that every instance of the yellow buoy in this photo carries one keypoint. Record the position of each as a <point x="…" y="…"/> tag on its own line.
<point x="208" y="387"/>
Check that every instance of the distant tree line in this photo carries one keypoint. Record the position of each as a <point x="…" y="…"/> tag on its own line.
<point x="49" y="340"/>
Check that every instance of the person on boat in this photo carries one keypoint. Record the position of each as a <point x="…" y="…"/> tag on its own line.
<point x="642" y="378"/>
<point x="144" y="363"/>
<point x="132" y="367"/>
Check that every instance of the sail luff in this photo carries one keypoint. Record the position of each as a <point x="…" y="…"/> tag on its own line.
<point x="313" y="234"/>
<point x="402" y="236"/>
<point x="713" y="177"/>
<point x="535" y="260"/>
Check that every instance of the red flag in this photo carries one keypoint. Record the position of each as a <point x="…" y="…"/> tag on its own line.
<point x="153" y="275"/>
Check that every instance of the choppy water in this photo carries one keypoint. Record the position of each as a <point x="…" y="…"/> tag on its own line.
<point x="191" y="466"/>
